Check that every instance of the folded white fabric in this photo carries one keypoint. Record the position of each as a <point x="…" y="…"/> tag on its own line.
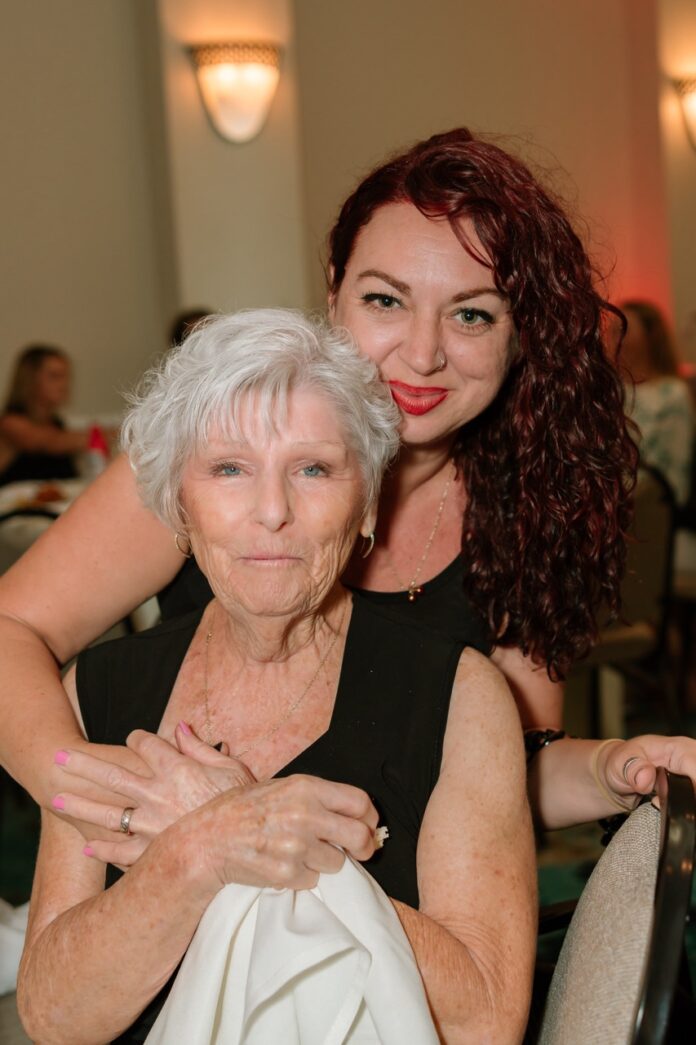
<point x="321" y="967"/>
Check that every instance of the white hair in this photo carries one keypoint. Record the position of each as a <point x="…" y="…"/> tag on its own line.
<point x="198" y="387"/>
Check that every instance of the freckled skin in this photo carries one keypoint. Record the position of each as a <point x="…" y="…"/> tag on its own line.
<point x="274" y="530"/>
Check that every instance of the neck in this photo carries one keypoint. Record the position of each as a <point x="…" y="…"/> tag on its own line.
<point x="263" y="639"/>
<point x="416" y="467"/>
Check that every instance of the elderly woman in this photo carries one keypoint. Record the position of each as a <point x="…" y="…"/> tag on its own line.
<point x="503" y="524"/>
<point x="261" y="443"/>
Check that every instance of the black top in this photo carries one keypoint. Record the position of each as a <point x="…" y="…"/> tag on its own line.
<point x="442" y="605"/>
<point x="385" y="734"/>
<point x="39" y="466"/>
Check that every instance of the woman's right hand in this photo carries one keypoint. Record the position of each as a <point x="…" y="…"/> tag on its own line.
<point x="282" y="833"/>
<point x="166" y="785"/>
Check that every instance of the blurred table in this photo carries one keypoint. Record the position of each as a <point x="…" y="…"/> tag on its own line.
<point x="29" y="508"/>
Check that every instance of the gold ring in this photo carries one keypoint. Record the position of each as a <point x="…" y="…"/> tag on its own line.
<point x="126" y="819"/>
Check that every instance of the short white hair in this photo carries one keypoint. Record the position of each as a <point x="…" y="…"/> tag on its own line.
<point x="198" y="387"/>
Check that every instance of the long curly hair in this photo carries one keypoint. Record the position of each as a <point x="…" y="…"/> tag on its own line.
<point x="549" y="466"/>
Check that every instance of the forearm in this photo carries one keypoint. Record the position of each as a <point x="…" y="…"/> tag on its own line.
<point x="64" y="592"/>
<point x="562" y="788"/>
<point x="91" y="971"/>
<point x="50" y="440"/>
<point x="471" y="1001"/>
<point x="36" y="716"/>
<point x="31" y="437"/>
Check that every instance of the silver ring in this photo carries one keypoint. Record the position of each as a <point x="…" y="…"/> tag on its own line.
<point x="443" y="364"/>
<point x="627" y="763"/>
<point x="126" y="816"/>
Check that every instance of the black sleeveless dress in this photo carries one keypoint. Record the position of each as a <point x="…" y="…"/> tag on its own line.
<point x="442" y="606"/>
<point x="385" y="735"/>
<point x="39" y="466"/>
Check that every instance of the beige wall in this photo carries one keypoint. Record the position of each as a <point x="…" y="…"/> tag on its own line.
<point x="119" y="204"/>
<point x="236" y="208"/>
<point x="79" y="244"/>
<point x="569" y="79"/>
<point x="677" y="42"/>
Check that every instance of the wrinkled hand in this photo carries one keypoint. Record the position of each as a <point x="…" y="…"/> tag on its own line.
<point x="677" y="754"/>
<point x="172" y="783"/>
<point x="282" y="833"/>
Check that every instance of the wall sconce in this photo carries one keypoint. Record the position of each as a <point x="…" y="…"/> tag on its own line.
<point x="237" y="82"/>
<point x="686" y="90"/>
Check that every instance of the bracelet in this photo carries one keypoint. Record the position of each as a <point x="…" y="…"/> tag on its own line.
<point x="536" y="739"/>
<point x="600" y="785"/>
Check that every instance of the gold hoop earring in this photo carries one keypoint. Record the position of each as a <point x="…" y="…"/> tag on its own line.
<point x="186" y="554"/>
<point x="369" y="545"/>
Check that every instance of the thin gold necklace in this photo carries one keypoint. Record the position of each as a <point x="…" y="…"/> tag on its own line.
<point x="413" y="588"/>
<point x="293" y="707"/>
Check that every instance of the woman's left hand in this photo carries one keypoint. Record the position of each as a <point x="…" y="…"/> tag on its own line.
<point x="630" y="768"/>
<point x="180" y="779"/>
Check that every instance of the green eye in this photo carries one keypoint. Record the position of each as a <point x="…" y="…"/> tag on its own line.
<point x="471" y="317"/>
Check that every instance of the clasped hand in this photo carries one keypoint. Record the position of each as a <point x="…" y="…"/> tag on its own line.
<point x="286" y="831"/>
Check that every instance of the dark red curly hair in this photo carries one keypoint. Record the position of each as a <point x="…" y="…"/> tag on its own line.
<point x="549" y="466"/>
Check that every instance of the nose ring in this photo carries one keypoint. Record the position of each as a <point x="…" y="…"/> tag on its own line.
<point x="443" y="364"/>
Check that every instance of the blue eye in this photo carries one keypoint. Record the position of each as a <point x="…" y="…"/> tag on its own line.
<point x="386" y="302"/>
<point x="313" y="471"/>
<point x="227" y="469"/>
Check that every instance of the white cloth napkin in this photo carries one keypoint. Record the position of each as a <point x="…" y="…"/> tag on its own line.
<point x="321" y="967"/>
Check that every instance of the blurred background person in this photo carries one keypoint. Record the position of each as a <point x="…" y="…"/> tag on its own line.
<point x="33" y="441"/>
<point x="184" y="322"/>
<point x="660" y="401"/>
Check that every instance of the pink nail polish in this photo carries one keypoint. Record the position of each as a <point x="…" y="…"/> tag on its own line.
<point x="61" y="757"/>
<point x="185" y="728"/>
<point x="88" y="851"/>
<point x="58" y="802"/>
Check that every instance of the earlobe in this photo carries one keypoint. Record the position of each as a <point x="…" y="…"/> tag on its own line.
<point x="369" y="522"/>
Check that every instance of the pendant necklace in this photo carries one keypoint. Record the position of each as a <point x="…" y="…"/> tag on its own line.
<point x="289" y="711"/>
<point x="413" y="589"/>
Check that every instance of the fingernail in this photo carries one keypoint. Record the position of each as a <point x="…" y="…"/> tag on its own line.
<point x="88" y="851"/>
<point x="58" y="802"/>
<point x="185" y="728"/>
<point x="61" y="757"/>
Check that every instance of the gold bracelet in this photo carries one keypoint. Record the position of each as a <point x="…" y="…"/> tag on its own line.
<point x="600" y="785"/>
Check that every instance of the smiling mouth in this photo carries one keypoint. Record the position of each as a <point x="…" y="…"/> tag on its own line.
<point x="270" y="560"/>
<point x="414" y="400"/>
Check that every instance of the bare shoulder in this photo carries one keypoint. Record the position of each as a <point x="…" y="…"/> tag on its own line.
<point x="483" y="726"/>
<point x="478" y="682"/>
<point x="14" y="424"/>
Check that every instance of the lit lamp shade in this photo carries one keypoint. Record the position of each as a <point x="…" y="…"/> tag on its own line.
<point x="237" y="82"/>
<point x="686" y="89"/>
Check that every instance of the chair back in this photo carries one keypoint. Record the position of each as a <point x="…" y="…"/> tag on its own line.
<point x="618" y="967"/>
<point x="646" y="588"/>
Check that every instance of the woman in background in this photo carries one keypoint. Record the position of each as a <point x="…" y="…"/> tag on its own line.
<point x="660" y="402"/>
<point x="33" y="440"/>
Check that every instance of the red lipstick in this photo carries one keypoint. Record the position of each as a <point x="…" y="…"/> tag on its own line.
<point x="415" y="400"/>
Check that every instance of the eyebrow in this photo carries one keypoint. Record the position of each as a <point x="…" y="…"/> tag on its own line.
<point x="404" y="288"/>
